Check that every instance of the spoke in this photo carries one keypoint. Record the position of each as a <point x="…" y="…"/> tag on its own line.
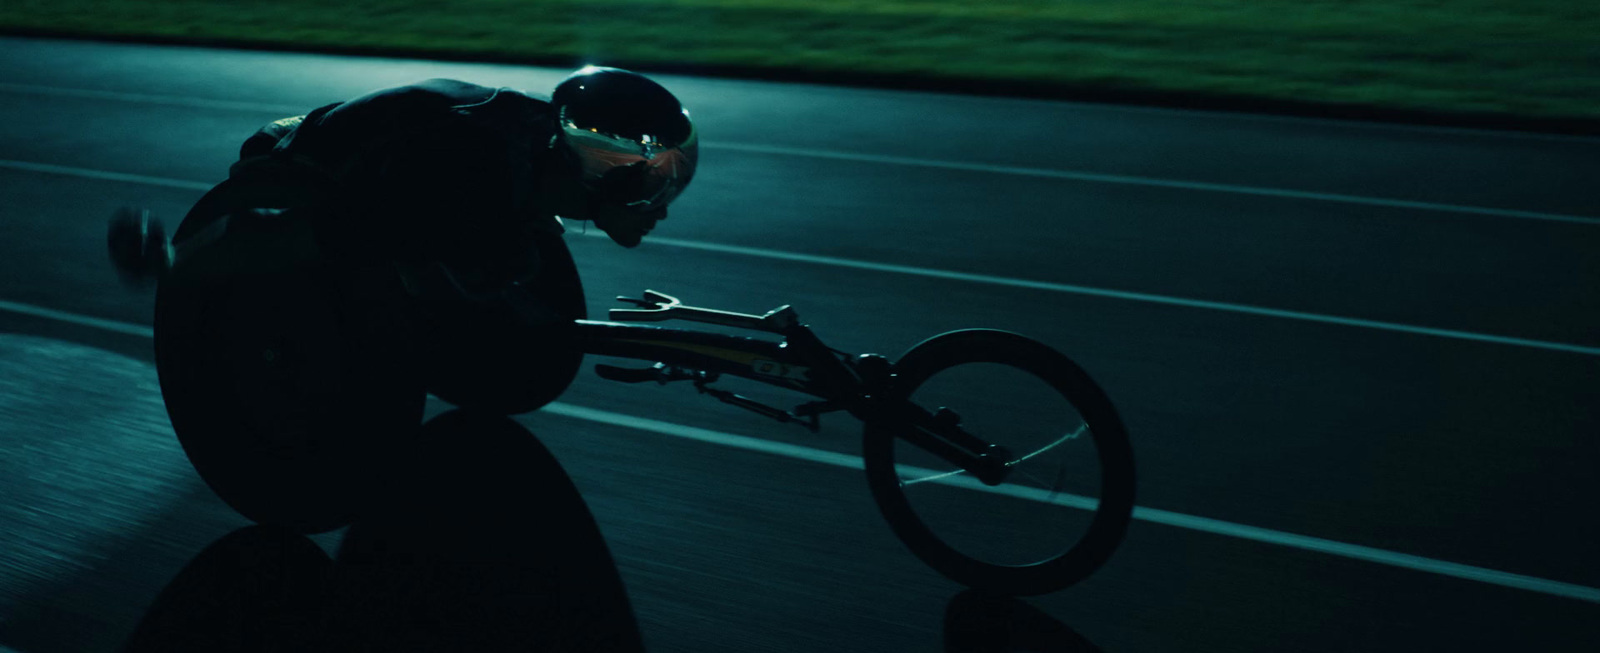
<point x="935" y="477"/>
<point x="1081" y="428"/>
<point x="1042" y="483"/>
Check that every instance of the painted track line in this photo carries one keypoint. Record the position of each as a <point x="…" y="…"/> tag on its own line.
<point x="1131" y="296"/>
<point x="1152" y="515"/>
<point x="1094" y="177"/>
<point x="1025" y="171"/>
<point x="1027" y="284"/>
<point x="1164" y="517"/>
<point x="151" y="98"/>
<point x="81" y="320"/>
<point x="102" y="175"/>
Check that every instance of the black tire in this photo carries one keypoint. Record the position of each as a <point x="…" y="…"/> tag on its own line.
<point x="291" y="438"/>
<point x="1115" y="459"/>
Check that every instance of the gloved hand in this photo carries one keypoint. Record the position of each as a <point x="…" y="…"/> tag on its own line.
<point x="138" y="245"/>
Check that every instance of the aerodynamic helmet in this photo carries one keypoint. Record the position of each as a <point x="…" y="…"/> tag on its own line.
<point x="632" y="140"/>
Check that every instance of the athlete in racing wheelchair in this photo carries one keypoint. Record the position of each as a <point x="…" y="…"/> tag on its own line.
<point x="457" y="189"/>
<point x="373" y="251"/>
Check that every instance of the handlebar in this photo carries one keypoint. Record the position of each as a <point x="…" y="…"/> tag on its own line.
<point x="659" y="307"/>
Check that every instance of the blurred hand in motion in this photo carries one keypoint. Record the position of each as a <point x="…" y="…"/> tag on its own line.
<point x="138" y="245"/>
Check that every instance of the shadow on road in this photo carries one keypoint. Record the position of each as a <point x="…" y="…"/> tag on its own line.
<point x="979" y="623"/>
<point x="482" y="544"/>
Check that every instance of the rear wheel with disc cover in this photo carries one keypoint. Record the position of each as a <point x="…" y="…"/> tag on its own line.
<point x="289" y="385"/>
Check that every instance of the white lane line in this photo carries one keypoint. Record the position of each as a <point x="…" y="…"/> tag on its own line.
<point x="1049" y="173"/>
<point x="1352" y="124"/>
<point x="149" y="98"/>
<point x="1130" y="296"/>
<point x="1175" y="519"/>
<point x="957" y="276"/>
<point x="82" y="320"/>
<point x="1180" y="520"/>
<point x="104" y="175"/>
<point x="1095" y="177"/>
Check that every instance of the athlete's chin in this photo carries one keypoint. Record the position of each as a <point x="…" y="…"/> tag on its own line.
<point x="626" y="237"/>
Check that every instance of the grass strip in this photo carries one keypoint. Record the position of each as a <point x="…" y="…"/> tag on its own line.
<point x="1527" y="58"/>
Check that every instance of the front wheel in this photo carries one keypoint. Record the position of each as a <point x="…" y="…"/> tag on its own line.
<point x="1068" y="490"/>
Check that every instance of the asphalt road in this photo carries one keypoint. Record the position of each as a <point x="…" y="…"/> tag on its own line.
<point x="1382" y="337"/>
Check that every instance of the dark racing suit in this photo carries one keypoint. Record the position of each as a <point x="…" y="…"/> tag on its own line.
<point x="440" y="180"/>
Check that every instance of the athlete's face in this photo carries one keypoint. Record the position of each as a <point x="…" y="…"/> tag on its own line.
<point x="567" y="198"/>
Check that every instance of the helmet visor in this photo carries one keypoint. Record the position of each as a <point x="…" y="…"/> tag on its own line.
<point x="643" y="174"/>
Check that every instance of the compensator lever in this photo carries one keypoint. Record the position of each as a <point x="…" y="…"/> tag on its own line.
<point x="808" y="420"/>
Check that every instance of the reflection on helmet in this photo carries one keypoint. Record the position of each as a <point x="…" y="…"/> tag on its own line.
<point x="632" y="139"/>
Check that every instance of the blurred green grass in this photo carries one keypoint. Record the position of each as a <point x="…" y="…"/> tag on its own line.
<point x="1533" y="58"/>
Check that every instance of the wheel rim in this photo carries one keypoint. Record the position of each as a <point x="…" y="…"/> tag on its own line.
<point x="1085" y="533"/>
<point x="1044" y="506"/>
